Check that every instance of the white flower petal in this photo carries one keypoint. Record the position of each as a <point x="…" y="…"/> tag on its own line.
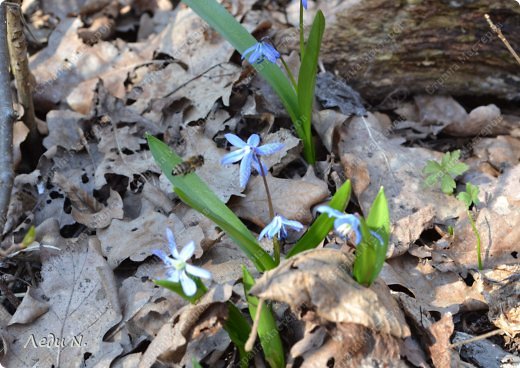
<point x="187" y="251"/>
<point x="171" y="243"/>
<point x="197" y="271"/>
<point x="188" y="285"/>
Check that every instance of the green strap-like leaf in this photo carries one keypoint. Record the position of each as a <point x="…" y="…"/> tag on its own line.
<point x="195" y="193"/>
<point x="370" y="253"/>
<point x="267" y="329"/>
<point x="307" y="80"/>
<point x="238" y="330"/>
<point x="323" y="224"/>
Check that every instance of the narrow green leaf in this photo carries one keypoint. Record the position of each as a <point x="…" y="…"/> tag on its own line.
<point x="238" y="330"/>
<point x="195" y="363"/>
<point x="378" y="218"/>
<point x="177" y="288"/>
<point x="370" y="253"/>
<point x="29" y="236"/>
<point x="267" y="329"/>
<point x="323" y="224"/>
<point x="195" y="193"/>
<point x="307" y="82"/>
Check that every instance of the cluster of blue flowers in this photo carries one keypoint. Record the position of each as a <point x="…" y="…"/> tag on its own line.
<point x="249" y="153"/>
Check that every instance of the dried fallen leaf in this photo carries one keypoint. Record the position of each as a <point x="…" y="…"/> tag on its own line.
<point x="171" y="341"/>
<point x="398" y="169"/>
<point x="292" y="198"/>
<point x="439" y="350"/>
<point x="83" y="306"/>
<point x="498" y="223"/>
<point x="86" y="209"/>
<point x="438" y="291"/>
<point x="136" y="239"/>
<point x="320" y="281"/>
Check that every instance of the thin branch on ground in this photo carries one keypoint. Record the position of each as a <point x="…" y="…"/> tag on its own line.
<point x="7" y="118"/>
<point x="500" y="35"/>
<point x="20" y="67"/>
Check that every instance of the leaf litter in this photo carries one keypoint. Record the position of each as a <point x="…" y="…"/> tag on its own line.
<point x="101" y="205"/>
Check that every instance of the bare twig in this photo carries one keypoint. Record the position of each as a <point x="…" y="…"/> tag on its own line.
<point x="20" y="66"/>
<point x="477" y="338"/>
<point x="7" y="118"/>
<point x="500" y="35"/>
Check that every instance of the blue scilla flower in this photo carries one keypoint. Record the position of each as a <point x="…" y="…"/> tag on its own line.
<point x="344" y="223"/>
<point x="278" y="227"/>
<point x="260" y="51"/>
<point x="248" y="153"/>
<point x="304" y="2"/>
<point x="178" y="268"/>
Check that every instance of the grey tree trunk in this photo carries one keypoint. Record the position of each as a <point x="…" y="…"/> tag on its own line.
<point x="383" y="48"/>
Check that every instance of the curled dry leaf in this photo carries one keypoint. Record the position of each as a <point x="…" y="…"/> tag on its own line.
<point x="172" y="339"/>
<point x="86" y="209"/>
<point x="82" y="300"/>
<point x="292" y="198"/>
<point x="30" y="309"/>
<point x="320" y="281"/>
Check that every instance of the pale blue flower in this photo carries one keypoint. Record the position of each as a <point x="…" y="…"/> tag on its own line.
<point x="249" y="153"/>
<point x="260" y="51"/>
<point x="278" y="227"/>
<point x="177" y="268"/>
<point x="304" y="2"/>
<point x="344" y="223"/>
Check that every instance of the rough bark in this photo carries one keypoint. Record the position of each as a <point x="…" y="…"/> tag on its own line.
<point x="383" y="48"/>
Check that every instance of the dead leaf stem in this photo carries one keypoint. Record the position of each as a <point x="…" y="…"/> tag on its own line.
<point x="500" y="35"/>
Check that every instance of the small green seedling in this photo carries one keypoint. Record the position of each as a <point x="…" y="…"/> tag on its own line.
<point x="469" y="197"/>
<point x="445" y="171"/>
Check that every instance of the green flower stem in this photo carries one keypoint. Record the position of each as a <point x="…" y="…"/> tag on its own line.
<point x="477" y="234"/>
<point x="302" y="37"/>
<point x="289" y="73"/>
<point x="276" y="242"/>
<point x="276" y="250"/>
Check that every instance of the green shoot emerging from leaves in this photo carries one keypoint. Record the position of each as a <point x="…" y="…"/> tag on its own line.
<point x="469" y="197"/>
<point x="446" y="171"/>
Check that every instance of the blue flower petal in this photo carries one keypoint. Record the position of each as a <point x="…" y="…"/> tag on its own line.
<point x="263" y="232"/>
<point x="257" y="166"/>
<point x="245" y="169"/>
<point x="329" y="211"/>
<point x="249" y="50"/>
<point x="254" y="140"/>
<point x="346" y="223"/>
<point x="268" y="149"/>
<point x="163" y="256"/>
<point x="235" y="140"/>
<point x="233" y="157"/>
<point x="270" y="53"/>
<point x="257" y="56"/>
<point x="292" y="224"/>
<point x="378" y="237"/>
<point x="304" y="2"/>
<point x="171" y="243"/>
